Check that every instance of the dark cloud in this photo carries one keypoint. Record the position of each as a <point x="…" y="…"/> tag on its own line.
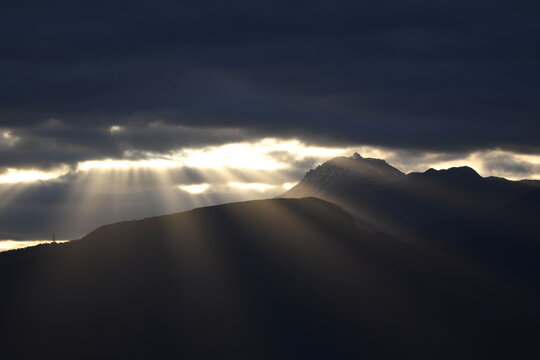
<point x="52" y="143"/>
<point x="447" y="75"/>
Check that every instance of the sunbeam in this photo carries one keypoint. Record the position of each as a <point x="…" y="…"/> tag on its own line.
<point x="142" y="184"/>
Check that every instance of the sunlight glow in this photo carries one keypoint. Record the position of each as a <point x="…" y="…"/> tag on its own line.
<point x="250" y="186"/>
<point x="241" y="156"/>
<point x="195" y="188"/>
<point x="115" y="129"/>
<point x="12" y="176"/>
<point x="266" y="154"/>
<point x="288" y="185"/>
<point x="281" y="155"/>
<point x="140" y="183"/>
<point x="110" y="164"/>
<point x="6" y="245"/>
<point x="7" y="138"/>
<point x="533" y="159"/>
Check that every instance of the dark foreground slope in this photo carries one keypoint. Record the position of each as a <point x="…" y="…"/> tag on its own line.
<point x="507" y="239"/>
<point x="283" y="278"/>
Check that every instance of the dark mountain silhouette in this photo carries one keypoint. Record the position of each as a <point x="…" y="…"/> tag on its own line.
<point x="507" y="239"/>
<point x="381" y="198"/>
<point x="281" y="278"/>
<point x="518" y="218"/>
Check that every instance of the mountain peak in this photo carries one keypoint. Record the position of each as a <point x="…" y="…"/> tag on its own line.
<point x="345" y="174"/>
<point x="356" y="156"/>
<point x="358" y="167"/>
<point x="356" y="160"/>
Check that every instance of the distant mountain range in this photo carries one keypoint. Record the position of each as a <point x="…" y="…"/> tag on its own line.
<point x="490" y="221"/>
<point x="382" y="198"/>
<point x="368" y="263"/>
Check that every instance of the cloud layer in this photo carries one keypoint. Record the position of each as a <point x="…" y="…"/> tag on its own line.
<point x="74" y="200"/>
<point x="446" y="75"/>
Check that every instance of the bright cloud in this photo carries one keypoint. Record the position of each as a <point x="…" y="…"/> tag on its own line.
<point x="111" y="164"/>
<point x="12" y="176"/>
<point x="255" y="155"/>
<point x="7" y="138"/>
<point x="115" y="129"/>
<point x="288" y="185"/>
<point x="142" y="184"/>
<point x="260" y="187"/>
<point x="266" y="154"/>
<point x="280" y="155"/>
<point x="195" y="188"/>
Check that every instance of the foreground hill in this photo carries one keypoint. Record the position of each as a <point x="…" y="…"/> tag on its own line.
<point x="282" y="278"/>
<point x="506" y="238"/>
<point x="382" y="198"/>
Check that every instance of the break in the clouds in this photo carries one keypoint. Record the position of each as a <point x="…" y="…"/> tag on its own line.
<point x="435" y="75"/>
<point x="72" y="200"/>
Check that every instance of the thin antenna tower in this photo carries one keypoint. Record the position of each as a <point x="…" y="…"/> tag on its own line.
<point x="54" y="237"/>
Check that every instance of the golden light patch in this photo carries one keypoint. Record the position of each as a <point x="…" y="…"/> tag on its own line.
<point x="115" y="129"/>
<point x="12" y="176"/>
<point x="271" y="154"/>
<point x="111" y="164"/>
<point x="288" y="185"/>
<point x="266" y="154"/>
<point x="260" y="155"/>
<point x="195" y="188"/>
<point x="6" y="245"/>
<point x="260" y="187"/>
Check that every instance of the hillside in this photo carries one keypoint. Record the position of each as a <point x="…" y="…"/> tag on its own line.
<point x="282" y="278"/>
<point x="383" y="199"/>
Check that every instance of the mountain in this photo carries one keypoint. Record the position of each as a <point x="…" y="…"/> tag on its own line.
<point x="280" y="278"/>
<point x="518" y="218"/>
<point x="491" y="222"/>
<point x="381" y="198"/>
<point x="345" y="172"/>
<point x="506" y="239"/>
<point x="360" y="185"/>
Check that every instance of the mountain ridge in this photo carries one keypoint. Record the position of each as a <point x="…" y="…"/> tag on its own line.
<point x="382" y="198"/>
<point x="279" y="278"/>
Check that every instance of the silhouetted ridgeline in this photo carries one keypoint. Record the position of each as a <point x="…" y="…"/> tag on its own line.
<point x="279" y="279"/>
<point x="491" y="222"/>
<point x="382" y="198"/>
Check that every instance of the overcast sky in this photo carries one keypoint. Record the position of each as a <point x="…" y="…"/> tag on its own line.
<point x="419" y="82"/>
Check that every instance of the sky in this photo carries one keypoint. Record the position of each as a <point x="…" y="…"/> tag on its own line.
<point x="126" y="109"/>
